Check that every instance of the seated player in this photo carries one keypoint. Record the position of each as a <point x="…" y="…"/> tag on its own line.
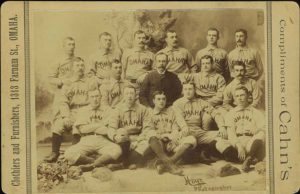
<point x="92" y="126"/>
<point x="209" y="84"/>
<point x="126" y="122"/>
<point x="167" y="137"/>
<point x="197" y="114"/>
<point x="240" y="79"/>
<point x="246" y="132"/>
<point x="73" y="97"/>
<point x="112" y="89"/>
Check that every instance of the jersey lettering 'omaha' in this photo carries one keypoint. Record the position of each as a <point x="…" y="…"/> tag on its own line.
<point x="100" y="62"/>
<point x="210" y="87"/>
<point x="219" y="56"/>
<point x="137" y="62"/>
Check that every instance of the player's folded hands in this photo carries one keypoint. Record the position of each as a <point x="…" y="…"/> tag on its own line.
<point x="223" y="132"/>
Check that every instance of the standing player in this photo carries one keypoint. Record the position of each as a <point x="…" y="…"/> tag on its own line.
<point x="180" y="59"/>
<point x="63" y="69"/>
<point x="62" y="72"/>
<point x="137" y="61"/>
<point x="167" y="136"/>
<point x="250" y="56"/>
<point x="100" y="62"/>
<point x="246" y="132"/>
<point x="92" y="126"/>
<point x="239" y="72"/>
<point x="209" y="84"/>
<point x="160" y="79"/>
<point x="219" y="55"/>
<point x="73" y="97"/>
<point x="197" y="113"/>
<point x="126" y="123"/>
<point x="112" y="89"/>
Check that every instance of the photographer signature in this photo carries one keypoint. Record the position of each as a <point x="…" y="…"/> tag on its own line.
<point x="193" y="181"/>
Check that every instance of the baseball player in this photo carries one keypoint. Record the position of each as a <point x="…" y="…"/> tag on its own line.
<point x="74" y="96"/>
<point x="62" y="71"/>
<point x="137" y="61"/>
<point x="239" y="72"/>
<point x="219" y="55"/>
<point x="250" y="56"/>
<point x="246" y="132"/>
<point x="209" y="84"/>
<point x="91" y="123"/>
<point x="197" y="114"/>
<point x="180" y="59"/>
<point x="166" y="137"/>
<point x="100" y="61"/>
<point x="112" y="89"/>
<point x="126" y="123"/>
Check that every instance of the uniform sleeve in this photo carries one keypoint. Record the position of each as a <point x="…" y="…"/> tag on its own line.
<point x="104" y="95"/>
<point x="64" y="101"/>
<point x="227" y="96"/>
<point x="218" y="98"/>
<point x="197" y="59"/>
<point x="118" y="55"/>
<point x="229" y="124"/>
<point x="217" y="115"/>
<point x="256" y="94"/>
<point x="144" y="91"/>
<point x="175" y="127"/>
<point x="113" y="124"/>
<point x="146" y="122"/>
<point x="148" y="129"/>
<point x="180" y="117"/>
<point x="259" y="119"/>
<point x="259" y="64"/>
<point x="226" y="74"/>
<point x="91" y="65"/>
<point x="229" y="62"/>
<point x="190" y="59"/>
<point x="53" y="76"/>
<point x="124" y="63"/>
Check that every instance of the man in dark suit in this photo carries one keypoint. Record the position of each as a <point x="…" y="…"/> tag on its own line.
<point x="160" y="80"/>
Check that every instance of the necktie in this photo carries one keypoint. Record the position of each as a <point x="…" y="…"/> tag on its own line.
<point x="241" y="54"/>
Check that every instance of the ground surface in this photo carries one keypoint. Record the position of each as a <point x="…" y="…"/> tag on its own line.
<point x="148" y="180"/>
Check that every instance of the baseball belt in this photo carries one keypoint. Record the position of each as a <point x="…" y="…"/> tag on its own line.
<point x="244" y="134"/>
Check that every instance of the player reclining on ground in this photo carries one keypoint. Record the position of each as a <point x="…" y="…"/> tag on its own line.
<point x="91" y="125"/>
<point x="246" y="132"/>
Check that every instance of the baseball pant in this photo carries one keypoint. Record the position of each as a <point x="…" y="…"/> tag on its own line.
<point x="91" y="144"/>
<point x="58" y="126"/>
<point x="246" y="142"/>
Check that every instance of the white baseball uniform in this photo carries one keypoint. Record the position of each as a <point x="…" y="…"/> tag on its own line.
<point x="93" y="136"/>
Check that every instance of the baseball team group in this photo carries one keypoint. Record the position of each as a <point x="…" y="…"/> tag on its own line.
<point x="125" y="108"/>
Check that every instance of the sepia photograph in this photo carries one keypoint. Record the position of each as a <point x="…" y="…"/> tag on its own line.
<point x="150" y="100"/>
<point x="150" y="97"/>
